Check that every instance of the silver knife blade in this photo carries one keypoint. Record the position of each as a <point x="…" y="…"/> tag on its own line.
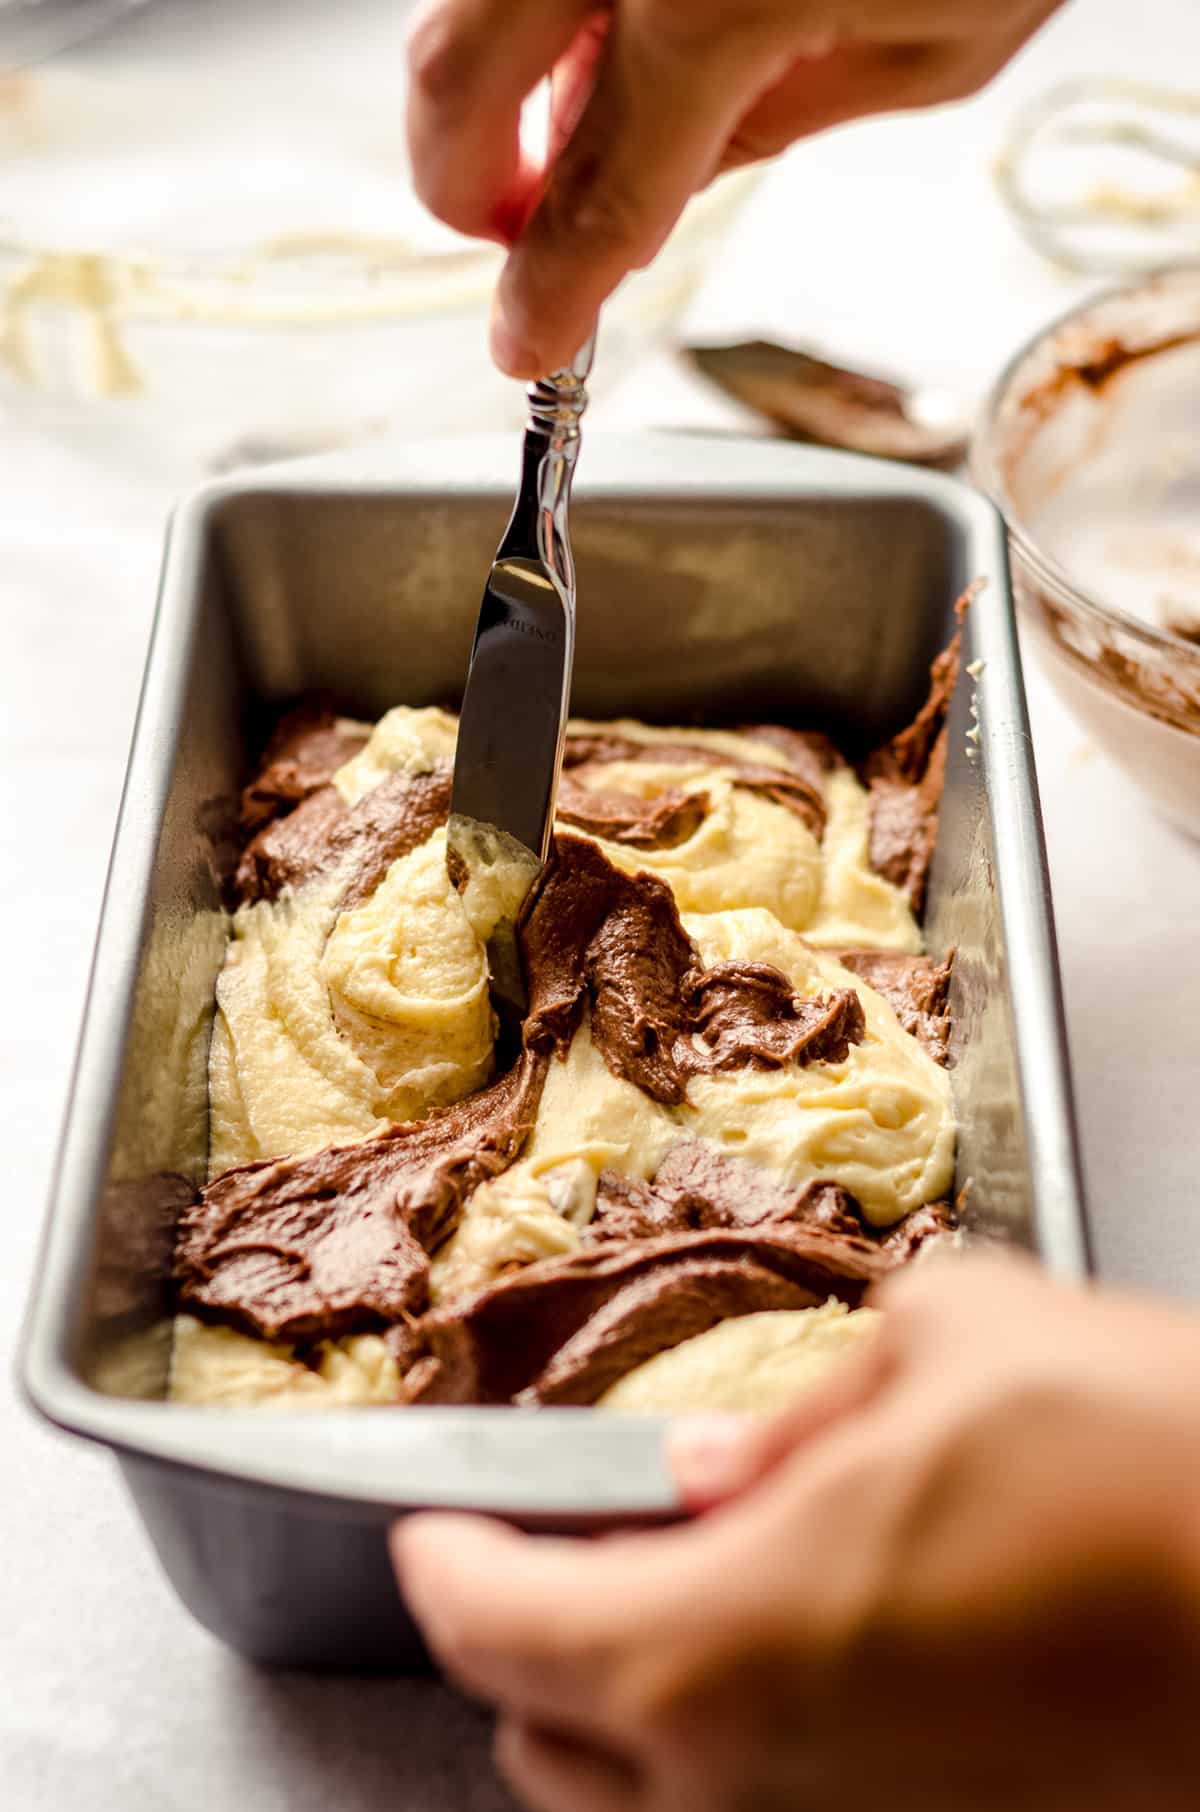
<point x="513" y="720"/>
<point x="506" y="766"/>
<point x="514" y="711"/>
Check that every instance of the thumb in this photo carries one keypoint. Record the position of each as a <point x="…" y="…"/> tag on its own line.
<point x="716" y="1458"/>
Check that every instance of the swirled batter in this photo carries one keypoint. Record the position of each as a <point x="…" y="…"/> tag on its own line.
<point x="729" y="1113"/>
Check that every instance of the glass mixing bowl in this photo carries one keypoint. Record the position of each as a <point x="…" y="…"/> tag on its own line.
<point x="1090" y="446"/>
<point x="210" y="250"/>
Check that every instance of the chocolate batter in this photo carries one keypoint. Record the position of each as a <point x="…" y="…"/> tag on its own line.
<point x="317" y="1247"/>
<point x="297" y="824"/>
<point x="905" y="778"/>
<point x="321" y="831"/>
<point x="311" y="1249"/>
<point x="325" y="1245"/>
<point x="563" y="1331"/>
<point x="309" y="745"/>
<point x="917" y="988"/>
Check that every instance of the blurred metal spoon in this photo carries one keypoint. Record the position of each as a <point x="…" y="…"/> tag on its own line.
<point x="807" y="398"/>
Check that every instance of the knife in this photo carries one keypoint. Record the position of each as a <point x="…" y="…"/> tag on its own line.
<point x="514" y="711"/>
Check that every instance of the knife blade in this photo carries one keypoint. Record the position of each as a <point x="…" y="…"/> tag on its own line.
<point x="514" y="711"/>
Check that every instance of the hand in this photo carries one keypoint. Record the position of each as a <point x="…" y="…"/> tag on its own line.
<point x="964" y="1576"/>
<point x="652" y="98"/>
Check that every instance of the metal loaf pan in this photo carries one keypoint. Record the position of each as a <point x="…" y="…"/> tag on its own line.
<point x="718" y="578"/>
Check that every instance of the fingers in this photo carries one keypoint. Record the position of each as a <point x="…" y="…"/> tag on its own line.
<point x="498" y="1612"/>
<point x="652" y="98"/>
<point x="529" y="1622"/>
<point x="939" y="1300"/>
<point x="715" y="1458"/>
<point x="471" y="65"/>
<point x="906" y="58"/>
<point x="573" y="79"/>
<point x="931" y="1315"/>
<point x="652" y="131"/>
<point x="551" y="1773"/>
<point x="850" y="82"/>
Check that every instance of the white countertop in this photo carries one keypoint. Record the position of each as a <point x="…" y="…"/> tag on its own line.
<point x="111" y="1698"/>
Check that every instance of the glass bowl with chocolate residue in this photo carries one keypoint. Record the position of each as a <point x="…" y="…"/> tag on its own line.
<point x="1090" y="445"/>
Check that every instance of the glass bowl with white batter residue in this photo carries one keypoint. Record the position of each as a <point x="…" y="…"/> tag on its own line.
<point x="210" y="248"/>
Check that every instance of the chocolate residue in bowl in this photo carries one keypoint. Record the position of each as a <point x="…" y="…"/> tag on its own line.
<point x="1181" y="617"/>
<point x="1114" y="357"/>
<point x="1096" y="370"/>
<point x="1142" y="649"/>
<point x="1155" y="684"/>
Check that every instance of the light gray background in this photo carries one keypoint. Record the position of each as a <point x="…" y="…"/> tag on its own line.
<point x="109" y="1697"/>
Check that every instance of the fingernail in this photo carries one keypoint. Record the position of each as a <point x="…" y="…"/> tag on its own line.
<point x="510" y="352"/>
<point x="705" y="1451"/>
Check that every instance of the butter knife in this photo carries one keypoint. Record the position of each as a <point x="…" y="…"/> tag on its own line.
<point x="514" y="711"/>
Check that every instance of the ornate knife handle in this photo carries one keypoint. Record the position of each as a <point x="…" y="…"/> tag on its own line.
<point x="556" y="406"/>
